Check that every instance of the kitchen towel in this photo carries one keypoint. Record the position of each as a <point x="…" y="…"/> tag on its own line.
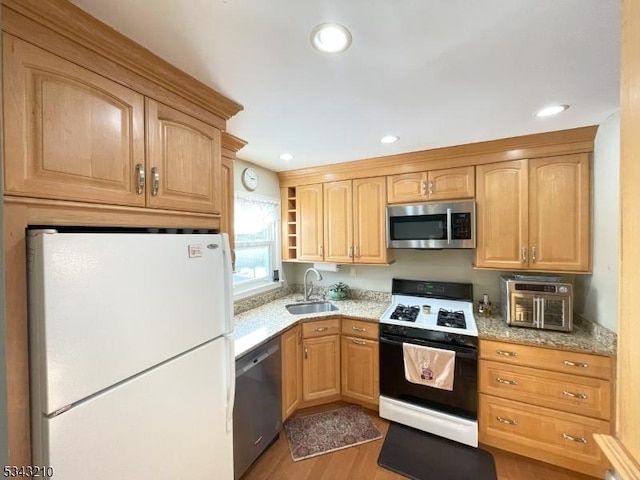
<point x="429" y="366"/>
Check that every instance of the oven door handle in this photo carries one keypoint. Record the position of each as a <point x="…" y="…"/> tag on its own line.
<point x="461" y="351"/>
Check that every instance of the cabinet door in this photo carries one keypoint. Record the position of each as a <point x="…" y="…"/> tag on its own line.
<point x="321" y="367"/>
<point x="69" y="134"/>
<point x="291" y="347"/>
<point x="226" y="205"/>
<point x="502" y="215"/>
<point x="338" y="222"/>
<point x="184" y="161"/>
<point x="451" y="183"/>
<point x="369" y="221"/>
<point x="407" y="187"/>
<point x="559" y="213"/>
<point x="309" y="219"/>
<point x="360" y="371"/>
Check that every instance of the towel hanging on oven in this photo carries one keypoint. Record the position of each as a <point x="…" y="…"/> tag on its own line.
<point x="429" y="366"/>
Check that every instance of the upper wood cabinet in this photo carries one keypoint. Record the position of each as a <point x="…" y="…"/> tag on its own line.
<point x="534" y="214"/>
<point x="444" y="184"/>
<point x="184" y="159"/>
<point x="354" y="221"/>
<point x="69" y="134"/>
<point x="310" y="224"/>
<point x="73" y="135"/>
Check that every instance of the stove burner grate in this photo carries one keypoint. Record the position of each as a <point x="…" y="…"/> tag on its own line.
<point x="448" y="318"/>
<point x="405" y="313"/>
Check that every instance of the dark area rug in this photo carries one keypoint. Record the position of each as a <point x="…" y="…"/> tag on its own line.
<point x="423" y="456"/>
<point x="326" y="432"/>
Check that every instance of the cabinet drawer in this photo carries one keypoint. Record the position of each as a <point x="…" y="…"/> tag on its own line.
<point x="586" y="364"/>
<point x="320" y="328"/>
<point x="570" y="393"/>
<point x="359" y="328"/>
<point x="556" y="437"/>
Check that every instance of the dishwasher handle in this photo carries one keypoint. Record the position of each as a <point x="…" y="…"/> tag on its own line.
<point x="243" y="366"/>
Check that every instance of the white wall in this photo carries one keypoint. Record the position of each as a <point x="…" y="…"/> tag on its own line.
<point x="442" y="265"/>
<point x="268" y="181"/>
<point x="596" y="296"/>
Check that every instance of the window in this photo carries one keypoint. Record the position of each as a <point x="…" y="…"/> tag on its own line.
<point x="256" y="238"/>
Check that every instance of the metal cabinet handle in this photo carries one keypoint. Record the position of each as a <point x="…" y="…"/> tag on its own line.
<point x="533" y="254"/>
<point x="258" y="440"/>
<point x="524" y="254"/>
<point x="506" y="382"/>
<point x="357" y="341"/>
<point x="430" y="187"/>
<point x="507" y="354"/>
<point x="306" y="352"/>
<point x="357" y="251"/>
<point x="507" y="421"/>
<point x="155" y="181"/>
<point x="140" y="178"/>
<point x="321" y="249"/>
<point x="574" y="439"/>
<point x="575" y="364"/>
<point x="581" y="396"/>
<point x="359" y="329"/>
<point x="424" y="188"/>
<point x="350" y="252"/>
<point x="321" y="329"/>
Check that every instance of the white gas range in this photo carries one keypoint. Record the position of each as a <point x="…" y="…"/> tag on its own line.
<point x="436" y="315"/>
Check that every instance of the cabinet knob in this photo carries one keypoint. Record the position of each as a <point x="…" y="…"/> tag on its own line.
<point x="575" y="364"/>
<point x="581" y="396"/>
<point x="507" y="421"/>
<point x="306" y="352"/>
<point x="574" y="439"/>
<point x="506" y="382"/>
<point x="140" y="178"/>
<point x="155" y="181"/>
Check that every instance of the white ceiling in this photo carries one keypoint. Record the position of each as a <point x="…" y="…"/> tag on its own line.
<point x="434" y="72"/>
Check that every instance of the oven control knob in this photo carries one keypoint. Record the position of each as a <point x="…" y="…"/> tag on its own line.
<point x="562" y="289"/>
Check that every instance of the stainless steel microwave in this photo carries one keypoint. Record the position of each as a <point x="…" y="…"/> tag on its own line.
<point x="432" y="225"/>
<point x="537" y="304"/>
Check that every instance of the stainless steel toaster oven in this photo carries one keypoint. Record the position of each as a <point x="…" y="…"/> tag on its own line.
<point x="537" y="303"/>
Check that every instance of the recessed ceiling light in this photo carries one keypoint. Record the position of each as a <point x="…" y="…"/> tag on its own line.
<point x="286" y="156"/>
<point x="389" y="139"/>
<point x="330" y="38"/>
<point x="551" y="110"/>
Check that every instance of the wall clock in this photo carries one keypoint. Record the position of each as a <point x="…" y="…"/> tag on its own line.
<point x="250" y="179"/>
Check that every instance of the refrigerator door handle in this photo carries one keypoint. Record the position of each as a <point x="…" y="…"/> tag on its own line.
<point x="231" y="391"/>
<point x="228" y="284"/>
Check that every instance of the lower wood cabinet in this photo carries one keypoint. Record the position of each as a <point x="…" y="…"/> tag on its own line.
<point x="328" y="360"/>
<point x="321" y="368"/>
<point x="291" y="354"/>
<point x="545" y="403"/>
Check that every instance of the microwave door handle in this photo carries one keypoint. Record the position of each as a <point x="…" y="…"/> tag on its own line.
<point x="448" y="226"/>
<point x="541" y="310"/>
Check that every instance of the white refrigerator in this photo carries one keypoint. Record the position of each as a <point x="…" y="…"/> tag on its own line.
<point x="131" y="355"/>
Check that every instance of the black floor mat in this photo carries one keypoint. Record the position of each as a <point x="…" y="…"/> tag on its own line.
<point x="423" y="456"/>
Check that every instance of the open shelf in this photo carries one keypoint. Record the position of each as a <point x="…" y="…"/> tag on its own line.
<point x="289" y="225"/>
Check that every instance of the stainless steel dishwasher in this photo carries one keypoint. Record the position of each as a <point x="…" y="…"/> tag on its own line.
<point x="257" y="415"/>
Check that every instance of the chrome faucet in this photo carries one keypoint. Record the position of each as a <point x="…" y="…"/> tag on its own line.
<point x="307" y="293"/>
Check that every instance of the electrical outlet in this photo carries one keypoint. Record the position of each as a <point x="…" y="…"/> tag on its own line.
<point x="352" y="271"/>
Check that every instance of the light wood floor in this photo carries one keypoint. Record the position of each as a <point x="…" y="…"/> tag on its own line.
<point x="361" y="462"/>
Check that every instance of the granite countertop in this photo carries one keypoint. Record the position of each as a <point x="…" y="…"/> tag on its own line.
<point x="585" y="337"/>
<point x="259" y="325"/>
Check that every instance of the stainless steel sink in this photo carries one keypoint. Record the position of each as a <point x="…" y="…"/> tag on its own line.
<point x="310" y="307"/>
